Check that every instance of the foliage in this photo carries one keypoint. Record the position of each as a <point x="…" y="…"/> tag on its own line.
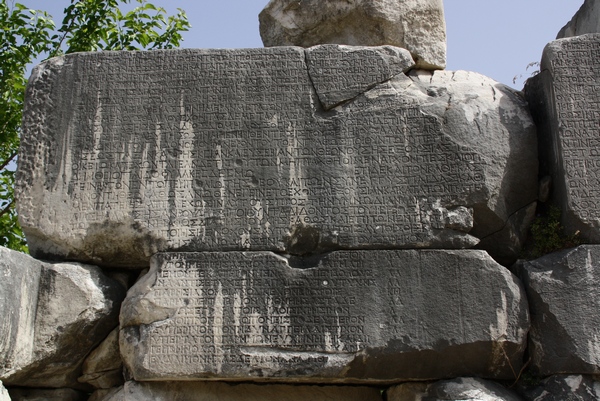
<point x="547" y="234"/>
<point x="28" y="35"/>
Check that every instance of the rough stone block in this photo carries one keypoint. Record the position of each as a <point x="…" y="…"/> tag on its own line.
<point x="586" y="20"/>
<point x="417" y="25"/>
<point x="182" y="391"/>
<point x="562" y="289"/>
<point x="53" y="316"/>
<point x="461" y="389"/>
<point x="564" y="102"/>
<point x="562" y="387"/>
<point x="126" y="154"/>
<point x="348" y="316"/>
<point x="103" y="368"/>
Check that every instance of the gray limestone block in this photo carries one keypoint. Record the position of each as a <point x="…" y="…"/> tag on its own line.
<point x="562" y="387"/>
<point x="105" y="394"/>
<point x="103" y="367"/>
<point x="124" y="154"/>
<point x="460" y="389"/>
<point x="417" y="25"/>
<point x="54" y="315"/>
<point x="33" y="394"/>
<point x="348" y="316"/>
<point x="564" y="300"/>
<point x="213" y="391"/>
<point x="586" y="20"/>
<point x="328" y="67"/>
<point x="564" y="103"/>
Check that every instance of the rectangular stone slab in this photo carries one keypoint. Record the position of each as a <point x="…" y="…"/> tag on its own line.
<point x="565" y="101"/>
<point x="125" y="154"/>
<point x="349" y="316"/>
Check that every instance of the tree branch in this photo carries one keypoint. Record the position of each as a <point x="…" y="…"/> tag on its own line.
<point x="8" y="161"/>
<point x="7" y="208"/>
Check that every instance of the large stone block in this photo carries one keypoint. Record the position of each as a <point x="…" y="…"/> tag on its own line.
<point x="417" y="25"/>
<point x="126" y="154"/>
<point x="53" y="316"/>
<point x="586" y="20"/>
<point x="565" y="104"/>
<point x="562" y="289"/>
<point x="348" y="316"/>
<point x="182" y="391"/>
<point x="461" y="389"/>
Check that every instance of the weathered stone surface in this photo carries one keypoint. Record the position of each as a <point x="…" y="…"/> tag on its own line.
<point x="417" y="25"/>
<point x="134" y="391"/>
<point x="562" y="289"/>
<point x="103" y="368"/>
<point x="461" y="389"/>
<point x="61" y="394"/>
<point x="564" y="102"/>
<point x="351" y="316"/>
<point x="586" y="20"/>
<point x="561" y="388"/>
<point x="329" y="67"/>
<point x="3" y="393"/>
<point x="126" y="154"/>
<point x="53" y="316"/>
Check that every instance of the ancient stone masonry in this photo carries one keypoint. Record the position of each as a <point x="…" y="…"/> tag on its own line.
<point x="127" y="154"/>
<point x="565" y="101"/>
<point x="352" y="316"/>
<point x="326" y="223"/>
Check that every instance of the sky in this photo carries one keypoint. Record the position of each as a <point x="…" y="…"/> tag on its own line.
<point x="497" y="38"/>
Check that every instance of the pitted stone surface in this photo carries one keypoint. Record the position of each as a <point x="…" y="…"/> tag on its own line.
<point x="351" y="316"/>
<point x="461" y="389"/>
<point x="182" y="391"/>
<point x="417" y="25"/>
<point x="562" y="289"/>
<point x="126" y="154"/>
<point x="565" y="104"/>
<point x="53" y="316"/>
<point x="586" y="20"/>
<point x="340" y="73"/>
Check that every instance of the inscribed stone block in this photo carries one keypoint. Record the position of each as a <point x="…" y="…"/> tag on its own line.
<point x="349" y="316"/>
<point x="565" y="102"/>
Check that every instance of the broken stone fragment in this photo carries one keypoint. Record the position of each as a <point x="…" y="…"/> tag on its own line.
<point x="413" y="162"/>
<point x="54" y="315"/>
<point x="347" y="316"/>
<point x="562" y="289"/>
<point x="416" y="25"/>
<point x="103" y="368"/>
<point x="461" y="389"/>
<point x="585" y="20"/>
<point x="328" y="67"/>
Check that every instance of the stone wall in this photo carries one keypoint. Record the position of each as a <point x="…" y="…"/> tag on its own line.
<point x="328" y="223"/>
